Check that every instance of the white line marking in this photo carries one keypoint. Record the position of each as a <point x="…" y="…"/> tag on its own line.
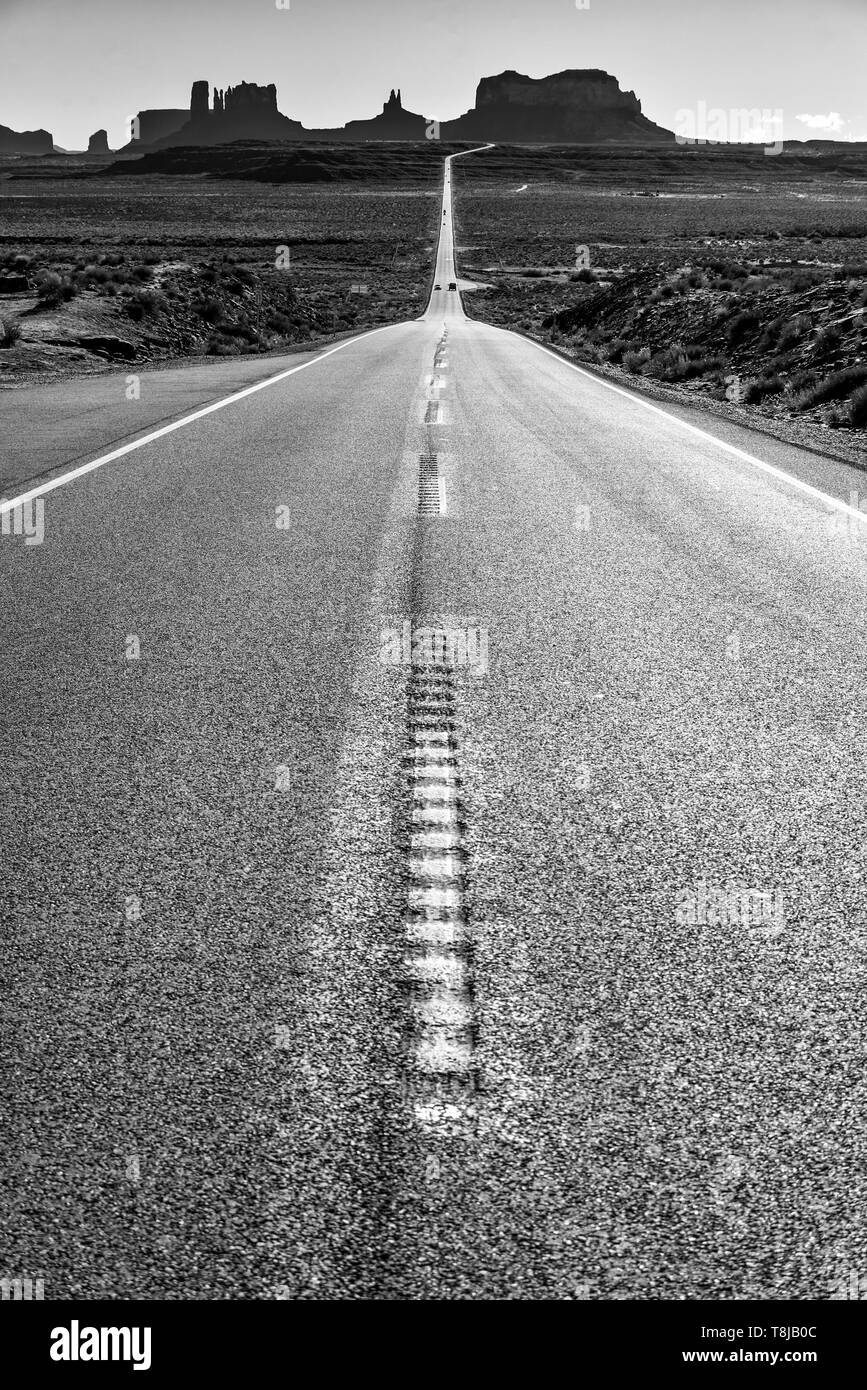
<point x="436" y="933"/>
<point x="435" y="839"/>
<point x="446" y="866"/>
<point x="441" y="1053"/>
<point x="435" y="772"/>
<point x="100" y="462"/>
<point x="435" y="815"/>
<point x="447" y="971"/>
<point x="445" y="1008"/>
<point x="434" y="1115"/>
<point x="434" y="897"/>
<point x="845" y="507"/>
<point x="439" y="794"/>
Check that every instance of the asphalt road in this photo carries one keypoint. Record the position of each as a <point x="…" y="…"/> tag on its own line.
<point x="332" y="973"/>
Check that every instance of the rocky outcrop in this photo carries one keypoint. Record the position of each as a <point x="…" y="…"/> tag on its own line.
<point x="248" y="96"/>
<point x="25" y="141"/>
<point x="153" y="125"/>
<point x="98" y="143"/>
<point x="199" y="101"/>
<point x="244" y="112"/>
<point x="14" y="284"/>
<point x="578" y="106"/>
<point x="394" y="123"/>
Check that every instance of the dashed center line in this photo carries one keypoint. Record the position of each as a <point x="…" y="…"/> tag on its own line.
<point x="441" y="1063"/>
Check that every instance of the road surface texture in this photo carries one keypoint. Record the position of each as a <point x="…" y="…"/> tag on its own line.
<point x="434" y="858"/>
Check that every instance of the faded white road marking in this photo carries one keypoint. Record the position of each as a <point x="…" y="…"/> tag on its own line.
<point x="834" y="502"/>
<point x="42" y="488"/>
<point x="436" y="935"/>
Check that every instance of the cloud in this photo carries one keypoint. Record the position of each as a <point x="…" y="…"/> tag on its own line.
<point x="833" y="121"/>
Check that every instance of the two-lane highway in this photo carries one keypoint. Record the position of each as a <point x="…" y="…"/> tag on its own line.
<point x="434" y="860"/>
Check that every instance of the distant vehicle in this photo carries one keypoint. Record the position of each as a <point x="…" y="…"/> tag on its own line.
<point x="437" y="287"/>
<point x="452" y="285"/>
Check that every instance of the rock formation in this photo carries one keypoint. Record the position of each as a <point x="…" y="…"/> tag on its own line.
<point x="98" y="143"/>
<point x="153" y="125"/>
<point x="394" y="123"/>
<point x="199" y="101"/>
<point x="244" y="112"/>
<point x="578" y="106"/>
<point x="25" y="141"/>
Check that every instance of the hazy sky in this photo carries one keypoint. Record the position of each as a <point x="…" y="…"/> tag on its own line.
<point x="73" y="66"/>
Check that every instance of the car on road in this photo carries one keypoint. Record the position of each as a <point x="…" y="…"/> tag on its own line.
<point x="452" y="285"/>
<point x="437" y="287"/>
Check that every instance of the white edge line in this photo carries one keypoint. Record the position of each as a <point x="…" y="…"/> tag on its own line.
<point x="775" y="472"/>
<point x="82" y="469"/>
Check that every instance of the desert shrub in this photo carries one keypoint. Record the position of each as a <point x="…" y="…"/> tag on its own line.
<point x="770" y="334"/>
<point x="142" y="272"/>
<point x="828" y="339"/>
<point x="53" y="289"/>
<point x="616" y="348"/>
<point x="240" y="329"/>
<point x="279" y="323"/>
<point x="145" y="304"/>
<point x="634" y="361"/>
<point x="677" y="363"/>
<point x="95" y="275"/>
<point x="858" y="408"/>
<point x="112" y="258"/>
<point x="804" y="279"/>
<point x="792" y="331"/>
<point x="211" y="310"/>
<point x="10" y="332"/>
<point x="221" y="346"/>
<point x="209" y="275"/>
<point x="584" y="276"/>
<point x="756" y="389"/>
<point x="835" y="387"/>
<point x="741" y="326"/>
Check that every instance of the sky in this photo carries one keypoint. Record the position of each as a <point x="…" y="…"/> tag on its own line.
<point x="76" y="66"/>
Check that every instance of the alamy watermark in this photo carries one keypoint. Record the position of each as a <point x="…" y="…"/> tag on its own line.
<point x="21" y="1289"/>
<point x="435" y="645"/>
<point x="25" y="519"/>
<point x="732" y="904"/>
<point x="737" y="126"/>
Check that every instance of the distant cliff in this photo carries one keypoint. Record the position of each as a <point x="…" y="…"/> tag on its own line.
<point x="575" y="107"/>
<point x="578" y="106"/>
<point x="394" y="123"/>
<point x="245" y="112"/>
<point x="153" y="125"/>
<point x="25" y="141"/>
